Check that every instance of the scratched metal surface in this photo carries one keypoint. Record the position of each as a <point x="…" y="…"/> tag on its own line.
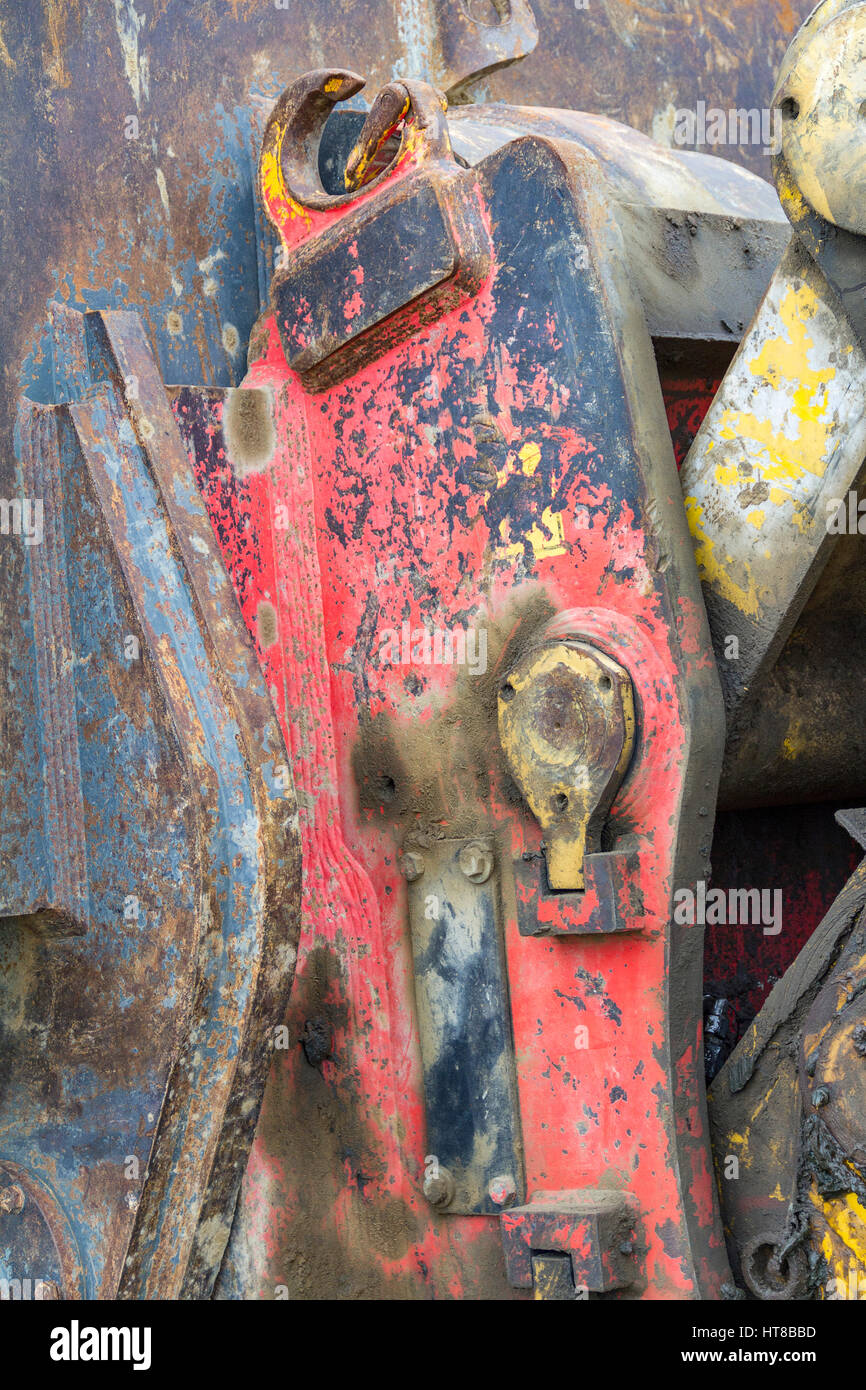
<point x="331" y="1200"/>
<point x="101" y="211"/>
<point x="129" y="150"/>
<point x="135" y="1028"/>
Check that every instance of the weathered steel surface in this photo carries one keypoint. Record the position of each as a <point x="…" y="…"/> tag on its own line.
<point x="451" y="481"/>
<point x="786" y="434"/>
<point x="130" y="130"/>
<point x="165" y="218"/>
<point x="464" y="1024"/>
<point x="786" y="1111"/>
<point x="135" y="1055"/>
<point x="771" y="477"/>
<point x="598" y="1231"/>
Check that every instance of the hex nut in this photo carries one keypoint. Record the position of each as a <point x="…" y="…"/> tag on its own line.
<point x="439" y="1189"/>
<point x="411" y="866"/>
<point x="476" y="861"/>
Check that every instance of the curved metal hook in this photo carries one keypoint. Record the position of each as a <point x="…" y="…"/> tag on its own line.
<point x="289" y="166"/>
<point x="289" y="162"/>
<point x="417" y="104"/>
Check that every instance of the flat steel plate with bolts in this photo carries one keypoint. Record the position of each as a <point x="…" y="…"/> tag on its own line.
<point x="473" y="1162"/>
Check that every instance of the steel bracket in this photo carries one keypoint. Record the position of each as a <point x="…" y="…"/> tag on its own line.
<point x="596" y="1229"/>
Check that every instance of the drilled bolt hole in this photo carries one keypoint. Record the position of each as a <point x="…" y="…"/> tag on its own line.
<point x="605" y="682"/>
<point x="507" y="692"/>
<point x="560" y="802"/>
<point x="790" y="109"/>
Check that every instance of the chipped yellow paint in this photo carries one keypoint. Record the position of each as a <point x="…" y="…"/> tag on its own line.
<point x="727" y="474"/>
<point x="802" y="517"/>
<point x="783" y="364"/>
<point x="547" y="538"/>
<point x="543" y="545"/>
<point x="845" y="1217"/>
<point x="795" y="741"/>
<point x="756" y="519"/>
<point x="796" y="208"/>
<point x="530" y="457"/>
<point x="712" y="570"/>
<point x="276" y="196"/>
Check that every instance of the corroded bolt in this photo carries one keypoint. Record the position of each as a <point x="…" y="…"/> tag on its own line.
<point x="11" y="1199"/>
<point x="503" y="1190"/>
<point x="411" y="866"/>
<point x="476" y="861"/>
<point x="858" y="1037"/>
<point x="820" y="1096"/>
<point x="439" y="1187"/>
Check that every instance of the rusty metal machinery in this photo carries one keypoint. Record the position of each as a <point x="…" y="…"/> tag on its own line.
<point x="787" y="453"/>
<point x="367" y="708"/>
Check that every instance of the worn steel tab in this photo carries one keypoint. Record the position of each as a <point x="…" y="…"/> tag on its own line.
<point x="566" y="720"/>
<point x="597" y="1231"/>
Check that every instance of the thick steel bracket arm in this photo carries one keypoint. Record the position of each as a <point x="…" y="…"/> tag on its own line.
<point x="473" y="476"/>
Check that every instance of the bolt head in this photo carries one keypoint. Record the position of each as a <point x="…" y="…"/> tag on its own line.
<point x="476" y="861"/>
<point x="503" y="1190"/>
<point x="439" y="1190"/>
<point x="820" y="1096"/>
<point x="411" y="866"/>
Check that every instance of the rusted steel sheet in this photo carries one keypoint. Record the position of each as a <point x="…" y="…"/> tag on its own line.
<point x="148" y="1036"/>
